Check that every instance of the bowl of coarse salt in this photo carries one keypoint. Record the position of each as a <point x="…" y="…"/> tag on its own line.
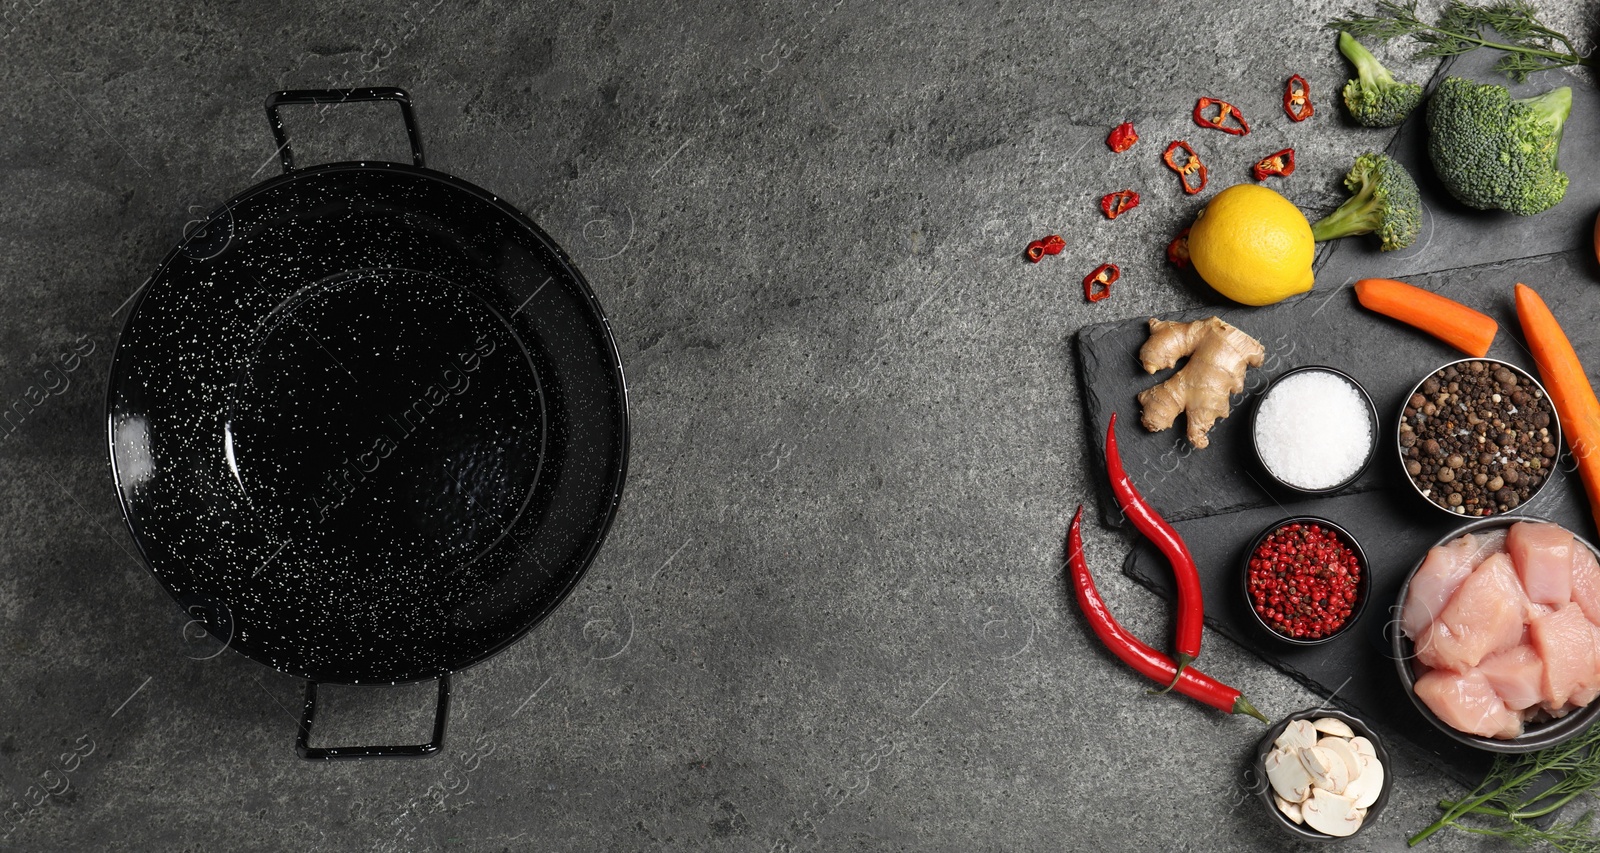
<point x="1315" y="430"/>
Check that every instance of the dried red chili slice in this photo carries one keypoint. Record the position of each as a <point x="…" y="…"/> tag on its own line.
<point x="1097" y="285"/>
<point x="1280" y="164"/>
<point x="1297" y="99"/>
<point x="1117" y="203"/>
<point x="1122" y="137"/>
<point x="1225" y="111"/>
<point x="1051" y="245"/>
<point x="1190" y="167"/>
<point x="1178" y="250"/>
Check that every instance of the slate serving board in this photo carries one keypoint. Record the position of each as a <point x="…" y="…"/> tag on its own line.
<point x="1327" y="326"/>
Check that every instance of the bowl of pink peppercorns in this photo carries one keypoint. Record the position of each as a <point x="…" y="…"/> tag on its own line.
<point x="1305" y="580"/>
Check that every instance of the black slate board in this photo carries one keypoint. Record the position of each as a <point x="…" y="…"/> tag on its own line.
<point x="1326" y="326"/>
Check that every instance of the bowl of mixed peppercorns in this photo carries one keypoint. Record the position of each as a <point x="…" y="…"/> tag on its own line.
<point x="1305" y="580"/>
<point x="1478" y="437"/>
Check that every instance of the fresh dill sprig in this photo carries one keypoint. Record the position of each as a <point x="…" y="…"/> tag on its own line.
<point x="1509" y="26"/>
<point x="1507" y="809"/>
<point x="1565" y="837"/>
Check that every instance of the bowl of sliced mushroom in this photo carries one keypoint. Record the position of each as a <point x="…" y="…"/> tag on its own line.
<point x="1322" y="774"/>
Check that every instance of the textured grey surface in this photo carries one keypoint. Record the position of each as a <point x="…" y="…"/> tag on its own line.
<point x="830" y="615"/>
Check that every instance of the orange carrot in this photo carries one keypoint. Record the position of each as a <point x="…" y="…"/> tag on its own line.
<point x="1569" y="388"/>
<point x="1446" y="319"/>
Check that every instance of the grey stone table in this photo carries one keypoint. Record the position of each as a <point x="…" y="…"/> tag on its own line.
<point x="830" y="615"/>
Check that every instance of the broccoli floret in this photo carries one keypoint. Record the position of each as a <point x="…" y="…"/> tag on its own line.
<point x="1374" y="97"/>
<point x="1496" y="153"/>
<point x="1385" y="202"/>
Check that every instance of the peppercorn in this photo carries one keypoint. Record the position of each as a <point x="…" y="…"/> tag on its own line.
<point x="1478" y="435"/>
<point x="1303" y="581"/>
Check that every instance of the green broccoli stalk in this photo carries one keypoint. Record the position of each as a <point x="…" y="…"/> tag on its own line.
<point x="1374" y="97"/>
<point x="1496" y="153"/>
<point x="1385" y="202"/>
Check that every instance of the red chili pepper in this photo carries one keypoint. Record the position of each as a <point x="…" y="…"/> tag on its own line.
<point x="1219" y="121"/>
<point x="1280" y="164"/>
<point x="1178" y="250"/>
<point x="1190" y="166"/>
<point x="1130" y="650"/>
<point x="1122" y="137"/>
<point x="1097" y="285"/>
<point x="1051" y="245"/>
<point x="1297" y="99"/>
<point x="1191" y="610"/>
<point x="1120" y="202"/>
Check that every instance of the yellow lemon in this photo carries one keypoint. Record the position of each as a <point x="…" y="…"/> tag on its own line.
<point x="1252" y="245"/>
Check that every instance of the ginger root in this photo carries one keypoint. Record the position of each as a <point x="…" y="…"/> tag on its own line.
<point x="1218" y="356"/>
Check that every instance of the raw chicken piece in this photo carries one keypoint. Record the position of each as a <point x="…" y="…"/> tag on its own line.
<point x="1591" y="689"/>
<point x="1516" y="675"/>
<point x="1484" y="616"/>
<point x="1586" y="582"/>
<point x="1438" y="648"/>
<point x="1467" y="702"/>
<point x="1542" y="553"/>
<point x="1441" y="573"/>
<point x="1565" y="640"/>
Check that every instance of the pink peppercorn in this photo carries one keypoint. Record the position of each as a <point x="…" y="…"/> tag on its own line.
<point x="1303" y="581"/>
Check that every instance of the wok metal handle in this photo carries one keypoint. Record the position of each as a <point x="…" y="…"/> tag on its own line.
<point x="332" y="753"/>
<point x="340" y="96"/>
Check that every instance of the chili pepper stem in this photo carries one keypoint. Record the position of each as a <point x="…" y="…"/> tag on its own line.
<point x="1183" y="661"/>
<point x="1242" y="705"/>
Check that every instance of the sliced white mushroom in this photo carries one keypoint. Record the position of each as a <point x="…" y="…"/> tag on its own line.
<point x="1327" y="769"/>
<point x="1332" y="814"/>
<point x="1299" y="734"/>
<point x="1362" y="746"/>
<point x="1288" y="775"/>
<point x="1369" y="785"/>
<point x="1290" y="810"/>
<point x="1341" y="747"/>
<point x="1334" y="726"/>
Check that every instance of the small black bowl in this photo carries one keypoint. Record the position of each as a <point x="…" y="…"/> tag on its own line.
<point x="1522" y="375"/>
<point x="1401" y="649"/>
<point x="1263" y="789"/>
<point x="1363" y="583"/>
<point x="1372" y="423"/>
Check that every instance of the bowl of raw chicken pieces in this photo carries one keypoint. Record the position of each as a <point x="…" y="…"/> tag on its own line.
<point x="1498" y="640"/>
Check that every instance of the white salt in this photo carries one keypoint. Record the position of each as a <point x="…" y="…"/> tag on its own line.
<point x="1313" y="430"/>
